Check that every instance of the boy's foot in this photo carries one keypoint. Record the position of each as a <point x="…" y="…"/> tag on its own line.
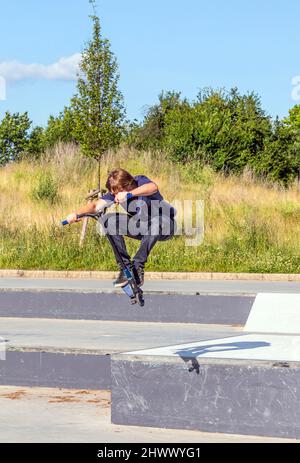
<point x="121" y="280"/>
<point x="139" y="275"/>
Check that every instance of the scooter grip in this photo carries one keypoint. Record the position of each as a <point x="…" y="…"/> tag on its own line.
<point x="65" y="222"/>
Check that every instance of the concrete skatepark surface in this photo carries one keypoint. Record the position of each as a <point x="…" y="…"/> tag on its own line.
<point x="101" y="336"/>
<point x="164" y="286"/>
<point x="246" y="384"/>
<point x="275" y="313"/>
<point x="161" y="308"/>
<point x="28" y="333"/>
<point x="247" y="346"/>
<point x="42" y="415"/>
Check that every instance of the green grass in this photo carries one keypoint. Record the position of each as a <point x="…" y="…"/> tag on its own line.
<point x="58" y="249"/>
<point x="249" y="226"/>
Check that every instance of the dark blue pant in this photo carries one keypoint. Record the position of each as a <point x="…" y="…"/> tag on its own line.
<point x="159" y="228"/>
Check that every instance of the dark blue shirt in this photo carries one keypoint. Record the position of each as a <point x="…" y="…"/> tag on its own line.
<point x="145" y="200"/>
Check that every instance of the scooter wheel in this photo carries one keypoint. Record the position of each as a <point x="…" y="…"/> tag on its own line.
<point x="140" y="299"/>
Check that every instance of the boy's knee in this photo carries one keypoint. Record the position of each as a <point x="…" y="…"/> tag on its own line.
<point x="109" y="223"/>
<point x="162" y="227"/>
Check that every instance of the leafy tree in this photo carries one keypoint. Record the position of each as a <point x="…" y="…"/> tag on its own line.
<point x="14" y="136"/>
<point x="180" y="133"/>
<point x="280" y="160"/>
<point x="60" y="129"/>
<point x="293" y="120"/>
<point x="131" y="130"/>
<point x="36" y="143"/>
<point x="98" y="105"/>
<point x="225" y="130"/>
<point x="151" y="133"/>
<point x="246" y="131"/>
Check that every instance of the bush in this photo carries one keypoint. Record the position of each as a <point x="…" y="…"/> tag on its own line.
<point x="150" y="134"/>
<point x="223" y="129"/>
<point x="36" y="143"/>
<point x="59" y="129"/>
<point x="46" y="188"/>
<point x="280" y="160"/>
<point x="14" y="134"/>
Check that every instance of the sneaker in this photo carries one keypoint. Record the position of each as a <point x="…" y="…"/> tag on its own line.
<point x="121" y="280"/>
<point x="139" y="275"/>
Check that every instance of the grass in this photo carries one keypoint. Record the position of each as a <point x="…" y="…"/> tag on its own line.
<point x="250" y="226"/>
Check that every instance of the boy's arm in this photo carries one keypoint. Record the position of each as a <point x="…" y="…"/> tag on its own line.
<point x="147" y="189"/>
<point x="91" y="208"/>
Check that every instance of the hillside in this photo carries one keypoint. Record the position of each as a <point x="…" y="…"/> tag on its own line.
<point x="250" y="226"/>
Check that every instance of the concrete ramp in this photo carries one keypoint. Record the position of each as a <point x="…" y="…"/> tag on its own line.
<point x="248" y="384"/>
<point x="240" y="384"/>
<point x="210" y="376"/>
<point x="159" y="308"/>
<point x="267" y="347"/>
<point x="274" y="313"/>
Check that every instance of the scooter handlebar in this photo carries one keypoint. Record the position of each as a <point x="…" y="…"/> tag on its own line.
<point x="80" y="216"/>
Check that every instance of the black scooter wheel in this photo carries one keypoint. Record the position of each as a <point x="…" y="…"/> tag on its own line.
<point x="140" y="299"/>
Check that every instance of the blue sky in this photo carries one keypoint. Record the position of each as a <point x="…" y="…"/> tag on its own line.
<point x="159" y="44"/>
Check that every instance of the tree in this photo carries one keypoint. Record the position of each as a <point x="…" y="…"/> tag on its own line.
<point x="247" y="129"/>
<point x="151" y="133"/>
<point x="293" y="120"/>
<point x="60" y="129"/>
<point x="36" y="143"/>
<point x="280" y="160"/>
<point x="180" y="133"/>
<point x="223" y="129"/>
<point x="98" y="105"/>
<point x="14" y="136"/>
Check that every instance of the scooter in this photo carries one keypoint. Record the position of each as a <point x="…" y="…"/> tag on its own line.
<point x="131" y="289"/>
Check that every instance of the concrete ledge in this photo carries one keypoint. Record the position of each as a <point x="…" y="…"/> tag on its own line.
<point x="225" y="310"/>
<point x="108" y="275"/>
<point x="229" y="396"/>
<point x="55" y="369"/>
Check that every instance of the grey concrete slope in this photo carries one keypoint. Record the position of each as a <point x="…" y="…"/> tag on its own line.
<point x="104" y="306"/>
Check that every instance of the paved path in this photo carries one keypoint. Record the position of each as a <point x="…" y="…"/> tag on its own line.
<point x="52" y="415"/>
<point x="165" y="286"/>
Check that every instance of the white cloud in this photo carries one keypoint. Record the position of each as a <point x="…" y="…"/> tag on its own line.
<point x="63" y="69"/>
<point x="296" y="90"/>
<point x="2" y="89"/>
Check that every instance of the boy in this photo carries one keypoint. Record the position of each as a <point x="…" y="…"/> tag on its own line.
<point x="149" y="218"/>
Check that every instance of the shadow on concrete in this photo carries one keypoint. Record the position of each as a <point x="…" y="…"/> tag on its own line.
<point x="191" y="353"/>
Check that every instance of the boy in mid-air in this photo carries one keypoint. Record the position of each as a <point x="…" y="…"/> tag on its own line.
<point x="148" y="218"/>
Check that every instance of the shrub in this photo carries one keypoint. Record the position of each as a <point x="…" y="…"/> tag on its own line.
<point x="46" y="188"/>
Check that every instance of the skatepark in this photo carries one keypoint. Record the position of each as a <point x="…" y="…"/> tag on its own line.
<point x="149" y="225"/>
<point x="203" y="360"/>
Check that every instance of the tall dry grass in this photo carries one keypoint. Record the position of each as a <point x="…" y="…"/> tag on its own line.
<point x="249" y="225"/>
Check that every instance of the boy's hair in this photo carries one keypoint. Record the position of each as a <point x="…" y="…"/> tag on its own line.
<point x="120" y="180"/>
